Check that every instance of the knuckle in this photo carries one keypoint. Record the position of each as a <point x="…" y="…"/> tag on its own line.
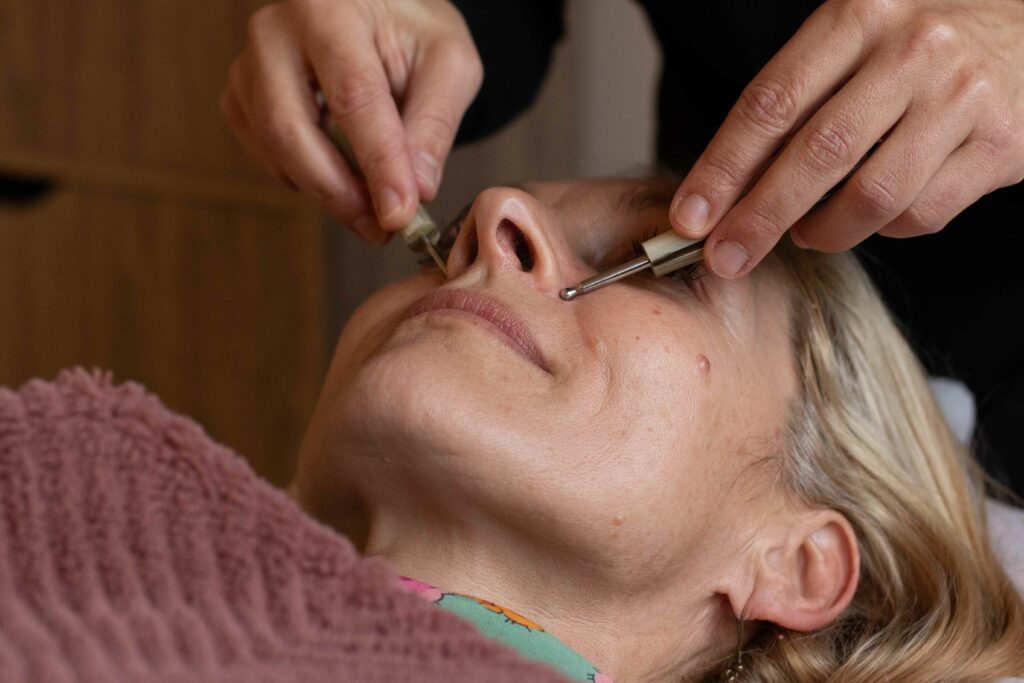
<point x="461" y="61"/>
<point x="998" y="138"/>
<point x="355" y="95"/>
<point x="437" y="131"/>
<point x="871" y="12"/>
<point x="763" y="221"/>
<point x="278" y="133"/>
<point x="923" y="221"/>
<point x="877" y="194"/>
<point x="973" y="84"/>
<point x="258" y="22"/>
<point x="378" y="159"/>
<point x="930" y="33"/>
<point x="770" y="103"/>
<point x="828" y="146"/>
<point x="305" y="10"/>
<point x="722" y="172"/>
<point x="475" y="69"/>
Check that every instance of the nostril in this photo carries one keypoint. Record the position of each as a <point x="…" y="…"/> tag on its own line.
<point x="512" y="239"/>
<point x="472" y="246"/>
<point x="523" y="252"/>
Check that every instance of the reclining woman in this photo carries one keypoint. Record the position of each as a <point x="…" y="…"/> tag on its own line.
<point x="664" y="473"/>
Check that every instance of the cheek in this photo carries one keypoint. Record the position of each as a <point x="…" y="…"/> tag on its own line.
<point x="667" y="384"/>
<point x="371" y="323"/>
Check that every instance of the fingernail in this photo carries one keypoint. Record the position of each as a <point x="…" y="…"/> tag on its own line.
<point x="728" y="259"/>
<point x="366" y="227"/>
<point x="390" y="204"/>
<point x="796" y="238"/>
<point x="691" y="211"/>
<point x="428" y="170"/>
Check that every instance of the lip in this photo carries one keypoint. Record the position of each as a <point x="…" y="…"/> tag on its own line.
<point x="487" y="312"/>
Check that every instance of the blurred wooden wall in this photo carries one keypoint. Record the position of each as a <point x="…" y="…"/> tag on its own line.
<point x="134" y="235"/>
<point x="154" y="248"/>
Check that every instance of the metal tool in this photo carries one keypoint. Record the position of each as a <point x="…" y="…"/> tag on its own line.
<point x="422" y="233"/>
<point x="663" y="254"/>
<point x="669" y="252"/>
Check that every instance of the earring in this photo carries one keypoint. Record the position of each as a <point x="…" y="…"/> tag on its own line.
<point x="735" y="669"/>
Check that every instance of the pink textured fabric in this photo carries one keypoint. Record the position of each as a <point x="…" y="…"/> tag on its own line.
<point x="133" y="548"/>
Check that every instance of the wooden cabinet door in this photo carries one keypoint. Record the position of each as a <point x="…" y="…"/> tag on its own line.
<point x="217" y="308"/>
<point x="120" y="82"/>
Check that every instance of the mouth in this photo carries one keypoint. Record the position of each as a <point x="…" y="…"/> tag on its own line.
<point x="486" y="312"/>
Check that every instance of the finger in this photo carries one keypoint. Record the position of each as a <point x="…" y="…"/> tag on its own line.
<point x="963" y="179"/>
<point x="818" y="157"/>
<point x="791" y="86"/>
<point x="231" y="111"/>
<point x="441" y="88"/>
<point x="887" y="183"/>
<point x="282" y="111"/>
<point x="352" y="76"/>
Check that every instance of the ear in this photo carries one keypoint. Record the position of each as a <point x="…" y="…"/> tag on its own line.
<point x="806" y="578"/>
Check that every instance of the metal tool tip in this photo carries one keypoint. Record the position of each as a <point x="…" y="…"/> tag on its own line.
<point x="569" y="293"/>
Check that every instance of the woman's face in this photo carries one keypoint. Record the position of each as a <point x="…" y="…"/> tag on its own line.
<point x="621" y="425"/>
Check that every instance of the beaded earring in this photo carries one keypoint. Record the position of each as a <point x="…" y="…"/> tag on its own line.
<point x="735" y="669"/>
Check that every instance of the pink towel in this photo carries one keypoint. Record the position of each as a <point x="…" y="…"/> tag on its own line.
<point x="133" y="548"/>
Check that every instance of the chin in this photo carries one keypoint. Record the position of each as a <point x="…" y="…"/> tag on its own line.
<point x="423" y="392"/>
<point x="449" y="403"/>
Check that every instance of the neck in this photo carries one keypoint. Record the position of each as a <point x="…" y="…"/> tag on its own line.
<point x="644" y="631"/>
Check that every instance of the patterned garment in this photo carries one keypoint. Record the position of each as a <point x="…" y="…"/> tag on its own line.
<point x="502" y="624"/>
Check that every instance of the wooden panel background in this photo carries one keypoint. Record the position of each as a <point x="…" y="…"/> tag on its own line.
<point x="163" y="254"/>
<point x="126" y="81"/>
<point x="217" y="310"/>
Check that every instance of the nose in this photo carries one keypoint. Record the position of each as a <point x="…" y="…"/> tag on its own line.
<point x="508" y="233"/>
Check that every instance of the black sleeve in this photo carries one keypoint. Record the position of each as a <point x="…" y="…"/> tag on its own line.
<point x="515" y="39"/>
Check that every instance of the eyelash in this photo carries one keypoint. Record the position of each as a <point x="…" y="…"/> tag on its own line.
<point x="688" y="275"/>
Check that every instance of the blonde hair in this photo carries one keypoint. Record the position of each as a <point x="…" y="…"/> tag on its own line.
<point x="865" y="437"/>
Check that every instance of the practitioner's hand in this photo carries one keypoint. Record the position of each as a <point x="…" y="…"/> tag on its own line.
<point x="397" y="75"/>
<point x="942" y="81"/>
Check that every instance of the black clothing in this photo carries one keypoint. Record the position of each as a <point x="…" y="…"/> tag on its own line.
<point x="958" y="293"/>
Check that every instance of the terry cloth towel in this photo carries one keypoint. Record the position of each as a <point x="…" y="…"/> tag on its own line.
<point x="134" y="548"/>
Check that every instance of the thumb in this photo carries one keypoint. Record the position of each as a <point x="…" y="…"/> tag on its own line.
<point x="440" y="90"/>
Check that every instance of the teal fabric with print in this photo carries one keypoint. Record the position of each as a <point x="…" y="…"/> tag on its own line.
<point x="521" y="634"/>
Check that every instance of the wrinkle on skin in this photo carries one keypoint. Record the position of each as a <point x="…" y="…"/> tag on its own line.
<point x="452" y="447"/>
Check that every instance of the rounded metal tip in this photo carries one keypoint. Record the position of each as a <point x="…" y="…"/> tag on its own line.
<point x="569" y="293"/>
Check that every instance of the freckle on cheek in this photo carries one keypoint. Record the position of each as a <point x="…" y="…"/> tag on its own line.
<point x="618" y="520"/>
<point x="703" y="365"/>
<point x="656" y="311"/>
